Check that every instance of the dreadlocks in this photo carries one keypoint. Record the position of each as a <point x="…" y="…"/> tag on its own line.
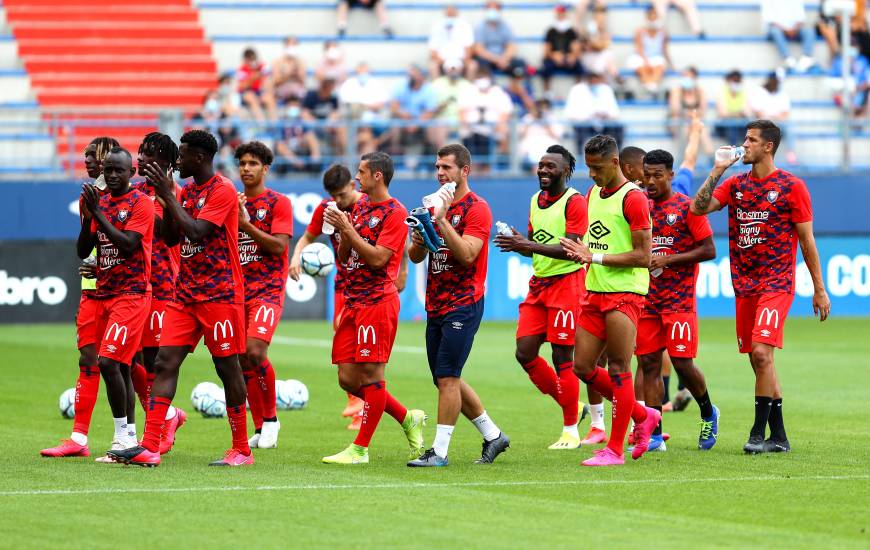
<point x="104" y="144"/>
<point x="566" y="154"/>
<point x="161" y="147"/>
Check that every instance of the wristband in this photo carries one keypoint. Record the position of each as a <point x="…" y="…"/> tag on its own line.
<point x="598" y="258"/>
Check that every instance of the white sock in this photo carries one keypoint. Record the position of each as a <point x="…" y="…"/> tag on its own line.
<point x="120" y="427"/>
<point x="597" y="415"/>
<point x="443" y="432"/>
<point x="131" y="430"/>
<point x="486" y="427"/>
<point x="170" y="413"/>
<point x="642" y="403"/>
<point x="571" y="430"/>
<point x="81" y="439"/>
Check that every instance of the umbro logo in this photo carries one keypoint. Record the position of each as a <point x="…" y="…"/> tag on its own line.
<point x="598" y="230"/>
<point x="542" y="236"/>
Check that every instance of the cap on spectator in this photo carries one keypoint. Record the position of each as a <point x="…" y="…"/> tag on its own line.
<point x="453" y="63"/>
<point x="561" y="8"/>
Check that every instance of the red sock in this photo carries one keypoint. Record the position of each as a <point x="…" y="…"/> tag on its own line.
<point x="155" y="415"/>
<point x="255" y="397"/>
<point x="395" y="409"/>
<point x="239" y="427"/>
<point x="569" y="393"/>
<point x="140" y="383"/>
<point x="267" y="385"/>
<point x="543" y="377"/>
<point x="600" y="381"/>
<point x="375" y="397"/>
<point x="87" y="389"/>
<point x="623" y="402"/>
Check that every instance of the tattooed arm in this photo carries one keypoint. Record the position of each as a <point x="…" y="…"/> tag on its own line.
<point x="704" y="201"/>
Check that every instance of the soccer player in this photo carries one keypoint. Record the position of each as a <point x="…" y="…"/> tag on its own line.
<point x="454" y="305"/>
<point x="209" y="301"/>
<point x="88" y="383"/>
<point x="371" y="245"/>
<point x="160" y="149"/>
<point x="265" y="230"/>
<point x="680" y="241"/>
<point x="616" y="283"/>
<point x="769" y="212"/>
<point x="552" y="307"/>
<point x="120" y="224"/>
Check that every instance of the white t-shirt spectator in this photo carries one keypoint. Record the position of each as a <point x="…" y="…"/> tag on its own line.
<point x="784" y="13"/>
<point x="366" y="92"/>
<point x="771" y="106"/>
<point x="450" y="38"/>
<point x="587" y="103"/>
<point x="479" y="108"/>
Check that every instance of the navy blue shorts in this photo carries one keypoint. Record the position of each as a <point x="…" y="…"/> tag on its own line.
<point x="449" y="339"/>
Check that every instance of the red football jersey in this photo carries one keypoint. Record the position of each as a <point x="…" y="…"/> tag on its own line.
<point x="164" y="259"/>
<point x="451" y="285"/>
<point x="382" y="224"/>
<point x="116" y="273"/>
<point x="762" y="241"/>
<point x="210" y="270"/>
<point x="266" y="274"/>
<point x="315" y="227"/>
<point x="675" y="230"/>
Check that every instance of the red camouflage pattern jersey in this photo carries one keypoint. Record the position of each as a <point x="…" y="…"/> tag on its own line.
<point x="118" y="274"/>
<point x="675" y="230"/>
<point x="315" y="227"/>
<point x="382" y="224"/>
<point x="210" y="270"/>
<point x="762" y="241"/>
<point x="266" y="274"/>
<point x="164" y="259"/>
<point x="451" y="285"/>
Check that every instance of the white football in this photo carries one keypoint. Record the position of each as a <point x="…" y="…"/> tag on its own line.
<point x="317" y="260"/>
<point x="209" y="400"/>
<point x="291" y="394"/>
<point x="68" y="403"/>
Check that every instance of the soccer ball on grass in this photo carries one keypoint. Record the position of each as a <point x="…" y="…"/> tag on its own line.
<point x="290" y="394"/>
<point x="209" y="400"/>
<point x="68" y="403"/>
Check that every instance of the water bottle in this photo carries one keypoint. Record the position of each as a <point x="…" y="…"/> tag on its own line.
<point x="432" y="201"/>
<point x="657" y="271"/>
<point x="729" y="153"/>
<point x="327" y="227"/>
<point x="503" y="229"/>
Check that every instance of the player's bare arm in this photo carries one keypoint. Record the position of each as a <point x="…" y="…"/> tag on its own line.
<point x="164" y="187"/>
<point x="275" y="245"/>
<point x="703" y="251"/>
<point x="126" y="241"/>
<point x="296" y="259"/>
<point x="704" y="202"/>
<point x="86" y="238"/>
<point x="417" y="250"/>
<point x="375" y="256"/>
<point x="821" y="302"/>
<point x="638" y="256"/>
<point x="525" y="246"/>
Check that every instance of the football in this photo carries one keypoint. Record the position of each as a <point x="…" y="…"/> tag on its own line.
<point x="209" y="400"/>
<point x="317" y="260"/>
<point x="68" y="403"/>
<point x="291" y="394"/>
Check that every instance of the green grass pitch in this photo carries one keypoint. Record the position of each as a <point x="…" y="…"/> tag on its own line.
<point x="531" y="497"/>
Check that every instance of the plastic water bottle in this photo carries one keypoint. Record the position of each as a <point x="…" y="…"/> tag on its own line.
<point x="657" y="271"/>
<point x="328" y="229"/>
<point x="503" y="229"/>
<point x="433" y="200"/>
<point x="729" y="153"/>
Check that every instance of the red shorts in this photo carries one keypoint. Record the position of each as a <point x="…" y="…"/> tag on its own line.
<point x="761" y="319"/>
<point x="119" y="321"/>
<point x="337" y="309"/>
<point x="553" y="310"/>
<point x="154" y="324"/>
<point x="597" y="304"/>
<point x="86" y="335"/>
<point x="365" y="334"/>
<point x="262" y="319"/>
<point x="676" y="332"/>
<point x="221" y="325"/>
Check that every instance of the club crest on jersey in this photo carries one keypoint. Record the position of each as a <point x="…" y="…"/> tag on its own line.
<point x="671" y="219"/>
<point x="200" y="202"/>
<point x="373" y="221"/>
<point x="122" y="215"/>
<point x="261" y="214"/>
<point x="772" y="196"/>
<point x="739" y="195"/>
<point x="455" y="220"/>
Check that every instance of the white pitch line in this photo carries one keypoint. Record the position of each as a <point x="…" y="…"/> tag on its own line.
<point x="416" y="485"/>
<point x="313" y="343"/>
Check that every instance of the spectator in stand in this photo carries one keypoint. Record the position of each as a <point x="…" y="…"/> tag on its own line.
<point x="597" y="56"/>
<point x="562" y="49"/>
<point x="448" y="88"/>
<point x="689" y="9"/>
<point x="228" y="96"/>
<point x="321" y="105"/>
<point x="331" y="64"/>
<point x="828" y="27"/>
<point x="363" y="98"/>
<point x="784" y="21"/>
<point x="288" y="73"/>
<point x="860" y="74"/>
<point x="732" y="109"/>
<point x="592" y="109"/>
<point x="494" y="46"/>
<point x="254" y="86"/>
<point x="451" y="39"/>
<point x="650" y="57"/>
<point x="539" y="130"/>
<point x="298" y="148"/>
<point x="686" y="100"/>
<point x="377" y="6"/>
<point x="413" y="100"/>
<point x="484" y="113"/>
<point x="769" y="102"/>
<point x="519" y="89"/>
